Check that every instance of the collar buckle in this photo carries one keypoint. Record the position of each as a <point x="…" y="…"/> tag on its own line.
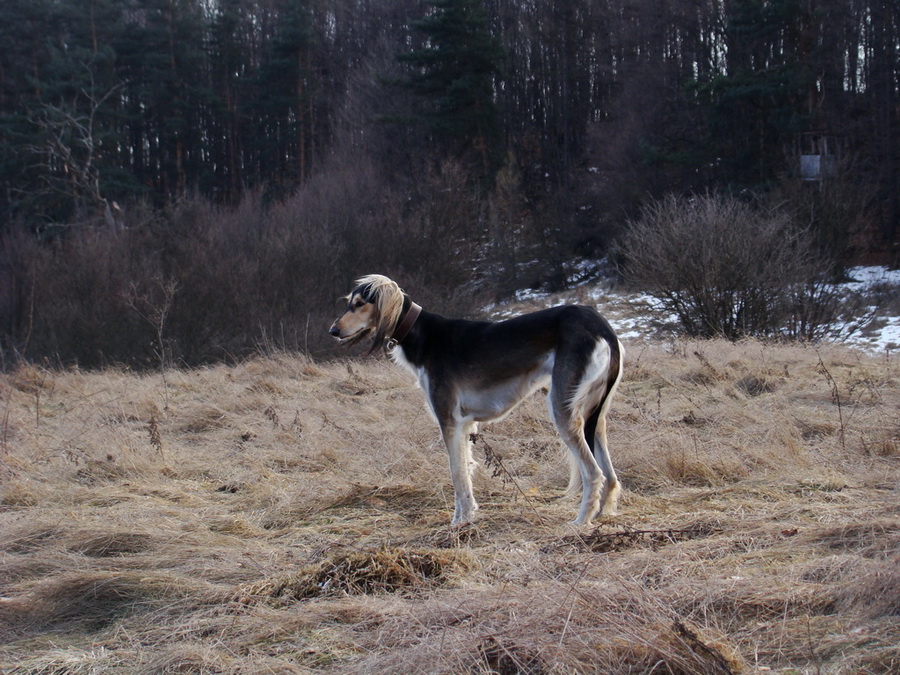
<point x="406" y="324"/>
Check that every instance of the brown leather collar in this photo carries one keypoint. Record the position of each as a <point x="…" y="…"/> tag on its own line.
<point x="406" y="324"/>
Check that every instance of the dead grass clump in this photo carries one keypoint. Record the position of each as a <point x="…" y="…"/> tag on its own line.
<point x="450" y="536"/>
<point x="202" y="420"/>
<point x="700" y="377"/>
<point x="393" y="497"/>
<point x="66" y="661"/>
<point x="699" y="465"/>
<point x="738" y="600"/>
<point x="876" y="592"/>
<point x="364" y="573"/>
<point x="504" y="657"/>
<point x="235" y="526"/>
<point x="28" y="540"/>
<point x="886" y="444"/>
<point x="189" y="659"/>
<point x="95" y="599"/>
<point x="110" y="544"/>
<point x="811" y="431"/>
<point x="31" y="380"/>
<point x="870" y="539"/>
<point x="835" y="569"/>
<point x="683" y="648"/>
<point x="606" y="539"/>
<point x="22" y="493"/>
<point x="753" y="385"/>
<point x="875" y="658"/>
<point x="553" y="628"/>
<point x="287" y="504"/>
<point x="106" y="470"/>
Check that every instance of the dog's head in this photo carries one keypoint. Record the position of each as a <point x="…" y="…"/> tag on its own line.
<point x="373" y="309"/>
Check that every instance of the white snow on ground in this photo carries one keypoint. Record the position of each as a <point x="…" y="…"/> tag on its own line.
<point x="860" y="277"/>
<point x="638" y="315"/>
<point x="878" y="337"/>
<point x="888" y="338"/>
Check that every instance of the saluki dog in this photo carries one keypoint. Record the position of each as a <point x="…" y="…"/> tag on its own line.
<point x="476" y="371"/>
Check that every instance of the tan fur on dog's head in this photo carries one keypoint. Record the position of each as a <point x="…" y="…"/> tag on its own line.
<point x="373" y="308"/>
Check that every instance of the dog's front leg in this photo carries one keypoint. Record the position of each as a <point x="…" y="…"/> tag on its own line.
<point x="456" y="438"/>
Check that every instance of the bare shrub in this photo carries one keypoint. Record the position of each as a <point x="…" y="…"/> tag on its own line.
<point x="200" y="283"/>
<point x="725" y="268"/>
<point x="76" y="289"/>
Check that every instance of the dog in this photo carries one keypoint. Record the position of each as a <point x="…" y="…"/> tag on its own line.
<point x="477" y="371"/>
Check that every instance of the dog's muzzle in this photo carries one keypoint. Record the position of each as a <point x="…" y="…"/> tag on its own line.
<point x="348" y="340"/>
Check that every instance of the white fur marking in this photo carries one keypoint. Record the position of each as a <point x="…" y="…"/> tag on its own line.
<point x="593" y="382"/>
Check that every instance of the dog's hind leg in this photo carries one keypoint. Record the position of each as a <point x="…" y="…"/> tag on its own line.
<point x="610" y="499"/>
<point x="459" y="450"/>
<point x="570" y="425"/>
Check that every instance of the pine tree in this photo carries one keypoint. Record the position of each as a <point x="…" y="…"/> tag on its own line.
<point x="760" y="103"/>
<point x="287" y="85"/>
<point x="455" y="71"/>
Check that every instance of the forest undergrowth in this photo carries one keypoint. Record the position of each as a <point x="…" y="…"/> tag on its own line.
<point x="285" y="515"/>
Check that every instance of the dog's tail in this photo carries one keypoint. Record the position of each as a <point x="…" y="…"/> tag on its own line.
<point x="614" y="376"/>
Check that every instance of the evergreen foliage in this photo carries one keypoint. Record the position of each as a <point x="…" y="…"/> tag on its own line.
<point x="185" y="96"/>
<point x="456" y="70"/>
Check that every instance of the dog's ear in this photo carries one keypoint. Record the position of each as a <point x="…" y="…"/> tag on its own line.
<point x="388" y="300"/>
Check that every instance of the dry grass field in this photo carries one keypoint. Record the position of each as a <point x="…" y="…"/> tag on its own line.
<point x="286" y="516"/>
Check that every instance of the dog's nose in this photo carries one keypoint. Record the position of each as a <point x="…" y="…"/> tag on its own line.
<point x="334" y="330"/>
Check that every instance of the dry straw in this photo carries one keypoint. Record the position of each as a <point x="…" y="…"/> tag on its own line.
<point x="288" y="516"/>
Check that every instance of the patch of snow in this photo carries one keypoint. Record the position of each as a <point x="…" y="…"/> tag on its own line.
<point x="861" y="278"/>
<point x="639" y="315"/>
<point x="884" y="333"/>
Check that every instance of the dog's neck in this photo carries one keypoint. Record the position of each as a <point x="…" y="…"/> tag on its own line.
<point x="406" y="323"/>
